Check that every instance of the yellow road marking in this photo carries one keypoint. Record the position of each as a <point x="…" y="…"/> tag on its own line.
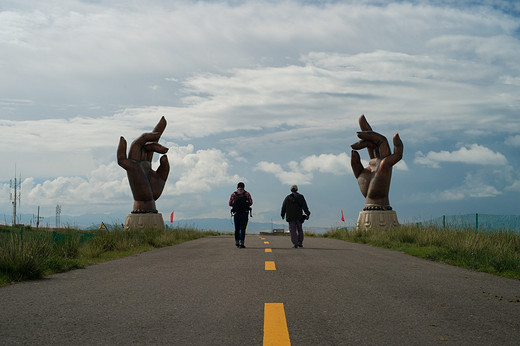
<point x="268" y="250"/>
<point x="266" y="242"/>
<point x="275" y="325"/>
<point x="269" y="265"/>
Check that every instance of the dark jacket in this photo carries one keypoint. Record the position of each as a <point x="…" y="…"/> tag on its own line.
<point x="248" y="198"/>
<point x="293" y="205"/>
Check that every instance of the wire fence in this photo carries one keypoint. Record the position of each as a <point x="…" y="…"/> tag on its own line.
<point x="479" y="222"/>
<point x="29" y="234"/>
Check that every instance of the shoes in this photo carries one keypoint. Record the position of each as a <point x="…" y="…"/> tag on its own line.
<point x="242" y="246"/>
<point x="295" y="246"/>
<point x="300" y="245"/>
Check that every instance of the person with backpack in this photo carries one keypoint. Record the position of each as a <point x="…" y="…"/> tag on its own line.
<point x="240" y="203"/>
<point x="292" y="208"/>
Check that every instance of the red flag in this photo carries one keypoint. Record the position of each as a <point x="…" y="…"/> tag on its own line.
<point x="342" y="217"/>
<point x="171" y="217"/>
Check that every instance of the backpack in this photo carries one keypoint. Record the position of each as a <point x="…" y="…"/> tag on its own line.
<point x="241" y="204"/>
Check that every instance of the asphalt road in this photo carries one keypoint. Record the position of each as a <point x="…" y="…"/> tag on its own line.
<point x="207" y="292"/>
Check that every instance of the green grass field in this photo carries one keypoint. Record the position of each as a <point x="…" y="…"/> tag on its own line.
<point x="491" y="252"/>
<point x="27" y="254"/>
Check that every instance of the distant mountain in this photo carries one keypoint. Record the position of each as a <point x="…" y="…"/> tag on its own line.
<point x="223" y="225"/>
<point x="93" y="221"/>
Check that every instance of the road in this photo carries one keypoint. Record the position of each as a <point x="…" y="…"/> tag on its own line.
<point x="207" y="292"/>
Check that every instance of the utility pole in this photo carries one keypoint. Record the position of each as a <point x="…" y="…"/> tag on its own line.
<point x="58" y="212"/>
<point x="16" y="194"/>
<point x="38" y="218"/>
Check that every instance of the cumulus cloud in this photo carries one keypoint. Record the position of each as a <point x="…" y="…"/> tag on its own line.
<point x="104" y="188"/>
<point x="198" y="171"/>
<point x="473" y="154"/>
<point x="302" y="172"/>
<point x="246" y="84"/>
<point x="473" y="187"/>
<point x="513" y="141"/>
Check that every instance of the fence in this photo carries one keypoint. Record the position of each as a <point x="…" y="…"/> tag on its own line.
<point x="479" y="222"/>
<point x="56" y="236"/>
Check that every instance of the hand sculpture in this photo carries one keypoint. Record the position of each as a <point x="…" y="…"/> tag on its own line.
<point x="374" y="180"/>
<point x="145" y="183"/>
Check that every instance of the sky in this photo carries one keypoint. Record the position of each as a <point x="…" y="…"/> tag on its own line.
<point x="264" y="92"/>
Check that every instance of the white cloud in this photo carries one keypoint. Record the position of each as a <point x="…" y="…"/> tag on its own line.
<point x="473" y="154"/>
<point x="198" y="171"/>
<point x="513" y="141"/>
<point x="105" y="189"/>
<point x="473" y="187"/>
<point x="248" y="82"/>
<point x="326" y="163"/>
<point x="286" y="177"/>
<point x="302" y="172"/>
<point x="515" y="186"/>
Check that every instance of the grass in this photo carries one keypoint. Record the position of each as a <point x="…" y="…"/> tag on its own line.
<point x="491" y="252"/>
<point x="27" y="254"/>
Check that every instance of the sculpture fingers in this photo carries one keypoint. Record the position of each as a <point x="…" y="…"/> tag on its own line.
<point x="373" y="151"/>
<point x="363" y="123"/>
<point x="158" y="178"/>
<point x="136" y="151"/>
<point x="378" y="139"/>
<point x="355" y="163"/>
<point x="398" y="151"/>
<point x="153" y="147"/>
<point x="161" y="125"/>
<point x="164" y="168"/>
<point x="122" y="159"/>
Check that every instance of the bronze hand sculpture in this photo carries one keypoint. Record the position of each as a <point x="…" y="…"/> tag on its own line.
<point x="145" y="183"/>
<point x="374" y="180"/>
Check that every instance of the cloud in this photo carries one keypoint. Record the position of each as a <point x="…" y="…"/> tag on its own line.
<point x="302" y="172"/>
<point x="473" y="187"/>
<point x="473" y="154"/>
<point x="326" y="163"/>
<point x="247" y="88"/>
<point x="513" y="141"/>
<point x="106" y="188"/>
<point x="198" y="171"/>
<point x="285" y="176"/>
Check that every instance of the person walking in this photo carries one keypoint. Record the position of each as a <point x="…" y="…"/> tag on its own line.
<point x="292" y="208"/>
<point x="240" y="203"/>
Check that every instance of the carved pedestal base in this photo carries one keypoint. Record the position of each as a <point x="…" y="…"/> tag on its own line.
<point x="381" y="219"/>
<point x="140" y="221"/>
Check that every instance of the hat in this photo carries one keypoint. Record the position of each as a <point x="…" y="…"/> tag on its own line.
<point x="294" y="188"/>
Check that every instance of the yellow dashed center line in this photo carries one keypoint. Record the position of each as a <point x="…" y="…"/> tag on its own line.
<point x="275" y="325"/>
<point x="269" y="265"/>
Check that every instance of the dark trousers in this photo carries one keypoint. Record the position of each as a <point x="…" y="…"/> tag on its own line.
<point x="240" y="226"/>
<point x="296" y="230"/>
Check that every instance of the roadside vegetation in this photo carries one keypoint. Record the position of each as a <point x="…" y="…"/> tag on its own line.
<point x="27" y="254"/>
<point x="495" y="252"/>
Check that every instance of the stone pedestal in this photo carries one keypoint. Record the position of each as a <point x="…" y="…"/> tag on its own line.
<point x="380" y="219"/>
<point x="141" y="221"/>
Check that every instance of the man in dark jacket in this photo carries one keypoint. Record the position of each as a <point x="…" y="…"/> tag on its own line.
<point x="241" y="203"/>
<point x="292" y="208"/>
